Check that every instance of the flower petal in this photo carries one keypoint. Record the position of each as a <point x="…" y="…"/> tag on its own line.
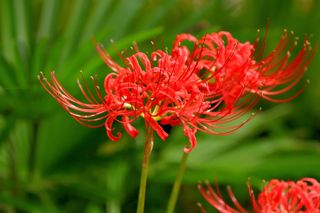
<point x="156" y="127"/>
<point x="133" y="132"/>
<point x="109" y="129"/>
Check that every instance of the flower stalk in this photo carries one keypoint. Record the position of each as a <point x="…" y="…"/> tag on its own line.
<point x="144" y="170"/>
<point x="177" y="184"/>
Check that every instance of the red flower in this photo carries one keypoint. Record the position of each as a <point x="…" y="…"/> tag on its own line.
<point x="238" y="68"/>
<point x="277" y="196"/>
<point x="229" y="63"/>
<point x="160" y="87"/>
<point x="203" y="89"/>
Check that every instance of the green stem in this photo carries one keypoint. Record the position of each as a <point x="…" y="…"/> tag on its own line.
<point x="144" y="173"/>
<point x="177" y="183"/>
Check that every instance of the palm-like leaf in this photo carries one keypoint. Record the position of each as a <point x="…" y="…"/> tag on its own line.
<point x="49" y="163"/>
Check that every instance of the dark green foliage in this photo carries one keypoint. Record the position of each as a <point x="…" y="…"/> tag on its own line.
<point x="50" y="163"/>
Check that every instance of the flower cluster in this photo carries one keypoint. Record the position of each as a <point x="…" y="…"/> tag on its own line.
<point x="202" y="89"/>
<point x="277" y="196"/>
<point x="243" y="68"/>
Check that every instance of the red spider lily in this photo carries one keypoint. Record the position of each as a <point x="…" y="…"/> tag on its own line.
<point x="277" y="196"/>
<point x="228" y="63"/>
<point x="169" y="88"/>
<point x="203" y="89"/>
<point x="241" y="68"/>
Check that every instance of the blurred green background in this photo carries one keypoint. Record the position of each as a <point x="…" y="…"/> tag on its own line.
<point x="50" y="163"/>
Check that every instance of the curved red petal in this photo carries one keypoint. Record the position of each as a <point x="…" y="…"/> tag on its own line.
<point x="191" y="134"/>
<point x="156" y="127"/>
<point x="108" y="125"/>
<point x="133" y="132"/>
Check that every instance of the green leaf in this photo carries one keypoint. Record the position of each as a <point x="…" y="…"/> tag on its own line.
<point x="22" y="41"/>
<point x="7" y="34"/>
<point x="73" y="26"/>
<point x="5" y="128"/>
<point x="93" y="25"/>
<point x="121" y="25"/>
<point x="23" y="204"/>
<point x="7" y="77"/>
<point x="47" y="19"/>
<point x="44" y="36"/>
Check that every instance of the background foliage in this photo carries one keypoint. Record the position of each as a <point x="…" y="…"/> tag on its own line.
<point x="50" y="163"/>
